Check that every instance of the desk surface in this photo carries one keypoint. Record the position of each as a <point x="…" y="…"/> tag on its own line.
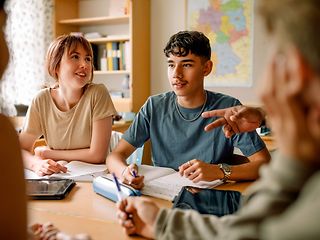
<point x="270" y="143"/>
<point x="84" y="211"/>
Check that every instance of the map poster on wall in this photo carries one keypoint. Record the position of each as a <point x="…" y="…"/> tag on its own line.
<point x="229" y="26"/>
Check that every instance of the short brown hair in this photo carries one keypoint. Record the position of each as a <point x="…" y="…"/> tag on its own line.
<point x="295" y="21"/>
<point x="59" y="46"/>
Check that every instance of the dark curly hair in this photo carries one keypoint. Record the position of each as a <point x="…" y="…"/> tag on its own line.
<point x="2" y="4"/>
<point x="185" y="42"/>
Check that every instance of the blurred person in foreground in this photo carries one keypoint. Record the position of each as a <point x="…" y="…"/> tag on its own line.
<point x="283" y="203"/>
<point x="13" y="207"/>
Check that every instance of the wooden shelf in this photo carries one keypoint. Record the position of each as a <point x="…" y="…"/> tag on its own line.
<point x="95" y="20"/>
<point x="109" y="39"/>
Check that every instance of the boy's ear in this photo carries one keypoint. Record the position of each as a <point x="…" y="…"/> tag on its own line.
<point x="298" y="69"/>
<point x="207" y="67"/>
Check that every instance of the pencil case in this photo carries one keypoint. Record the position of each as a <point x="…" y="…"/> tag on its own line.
<point x="107" y="188"/>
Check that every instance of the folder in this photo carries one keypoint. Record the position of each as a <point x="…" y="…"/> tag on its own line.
<point x="107" y="188"/>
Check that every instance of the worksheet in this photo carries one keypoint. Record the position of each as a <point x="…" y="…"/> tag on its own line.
<point x="77" y="170"/>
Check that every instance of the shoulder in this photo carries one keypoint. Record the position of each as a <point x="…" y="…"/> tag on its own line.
<point x="96" y="88"/>
<point x="43" y="93"/>
<point x="42" y="96"/>
<point x="222" y="100"/>
<point x="161" y="98"/>
<point x="96" y="91"/>
<point x="156" y="103"/>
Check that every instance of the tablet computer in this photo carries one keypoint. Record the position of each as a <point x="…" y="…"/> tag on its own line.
<point x="49" y="188"/>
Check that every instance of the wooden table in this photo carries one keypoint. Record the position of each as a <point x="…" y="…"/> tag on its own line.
<point x="84" y="211"/>
<point x="270" y="143"/>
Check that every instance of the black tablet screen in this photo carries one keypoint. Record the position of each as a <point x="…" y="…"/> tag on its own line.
<point x="49" y="188"/>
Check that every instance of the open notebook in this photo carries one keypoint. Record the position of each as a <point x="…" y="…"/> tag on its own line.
<point x="164" y="183"/>
<point x="77" y="170"/>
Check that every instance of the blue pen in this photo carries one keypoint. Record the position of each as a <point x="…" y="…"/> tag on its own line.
<point x="118" y="187"/>
<point x="134" y="173"/>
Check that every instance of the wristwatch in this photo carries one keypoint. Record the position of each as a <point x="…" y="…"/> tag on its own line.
<point x="226" y="169"/>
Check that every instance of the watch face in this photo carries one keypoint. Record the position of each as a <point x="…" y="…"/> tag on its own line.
<point x="226" y="169"/>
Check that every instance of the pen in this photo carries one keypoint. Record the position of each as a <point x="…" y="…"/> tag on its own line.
<point x="134" y="173"/>
<point x="118" y="187"/>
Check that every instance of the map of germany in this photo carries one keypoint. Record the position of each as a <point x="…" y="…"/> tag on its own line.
<point x="228" y="25"/>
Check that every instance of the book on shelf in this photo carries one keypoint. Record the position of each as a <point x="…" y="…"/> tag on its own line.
<point x="96" y="58"/>
<point x="124" y="55"/>
<point x="115" y="58"/>
<point x="121" y="56"/>
<point x="77" y="170"/>
<point x="109" y="56"/>
<point x="103" y="60"/>
<point x="160" y="182"/>
<point x="127" y="55"/>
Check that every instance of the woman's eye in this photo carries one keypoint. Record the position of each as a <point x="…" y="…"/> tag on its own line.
<point x="88" y="59"/>
<point x="75" y="56"/>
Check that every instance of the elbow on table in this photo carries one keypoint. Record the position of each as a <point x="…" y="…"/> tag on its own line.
<point x="98" y="158"/>
<point x="98" y="161"/>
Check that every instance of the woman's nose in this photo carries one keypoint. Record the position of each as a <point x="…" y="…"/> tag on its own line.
<point x="84" y="63"/>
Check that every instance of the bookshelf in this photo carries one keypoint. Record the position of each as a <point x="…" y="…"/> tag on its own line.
<point x="131" y="26"/>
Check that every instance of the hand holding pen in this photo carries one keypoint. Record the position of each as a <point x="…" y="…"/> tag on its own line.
<point x="131" y="176"/>
<point x="119" y="192"/>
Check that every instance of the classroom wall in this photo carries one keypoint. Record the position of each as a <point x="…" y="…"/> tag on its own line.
<point x="167" y="18"/>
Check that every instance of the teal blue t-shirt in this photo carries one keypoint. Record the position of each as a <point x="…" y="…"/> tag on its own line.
<point x="175" y="140"/>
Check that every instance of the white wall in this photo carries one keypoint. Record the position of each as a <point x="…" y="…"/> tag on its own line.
<point x="167" y="18"/>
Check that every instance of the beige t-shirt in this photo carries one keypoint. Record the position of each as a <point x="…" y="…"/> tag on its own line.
<point x="71" y="129"/>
